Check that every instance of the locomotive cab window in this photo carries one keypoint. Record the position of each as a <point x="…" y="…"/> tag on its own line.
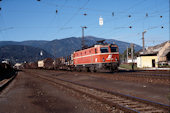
<point x="95" y="50"/>
<point x="104" y="49"/>
<point x="113" y="49"/>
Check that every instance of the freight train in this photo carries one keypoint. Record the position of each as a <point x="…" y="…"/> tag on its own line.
<point x="99" y="57"/>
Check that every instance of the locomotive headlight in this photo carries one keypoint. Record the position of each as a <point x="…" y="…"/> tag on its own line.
<point x="103" y="60"/>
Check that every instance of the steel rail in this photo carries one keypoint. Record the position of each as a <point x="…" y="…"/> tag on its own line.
<point x="137" y="105"/>
<point x="111" y="104"/>
<point x="148" y="74"/>
<point x="164" y="106"/>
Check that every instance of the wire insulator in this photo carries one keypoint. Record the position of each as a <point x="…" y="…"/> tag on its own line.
<point x="146" y="14"/>
<point x="113" y="14"/>
<point x="85" y="14"/>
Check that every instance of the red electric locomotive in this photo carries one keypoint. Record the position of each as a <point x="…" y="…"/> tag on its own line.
<point x="100" y="57"/>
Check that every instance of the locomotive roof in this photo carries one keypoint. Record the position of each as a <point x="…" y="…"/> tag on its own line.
<point x="104" y="44"/>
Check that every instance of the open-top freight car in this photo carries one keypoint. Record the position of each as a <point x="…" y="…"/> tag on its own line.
<point x="100" y="57"/>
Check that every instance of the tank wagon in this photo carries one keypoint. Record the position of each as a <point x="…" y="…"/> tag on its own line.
<point x="99" y="57"/>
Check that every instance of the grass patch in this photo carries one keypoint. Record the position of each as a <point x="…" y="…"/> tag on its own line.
<point x="164" y="66"/>
<point x="128" y="66"/>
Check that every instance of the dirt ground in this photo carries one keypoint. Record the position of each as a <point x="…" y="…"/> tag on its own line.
<point x="152" y="92"/>
<point x="28" y="94"/>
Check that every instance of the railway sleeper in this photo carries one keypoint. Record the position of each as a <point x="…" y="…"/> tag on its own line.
<point x="116" y="100"/>
<point x="125" y="103"/>
<point x="156" y="111"/>
<point x="140" y="107"/>
<point x="132" y="103"/>
<point x="143" y="108"/>
<point x="119" y="100"/>
<point x="147" y="109"/>
<point x="137" y="106"/>
<point x="108" y="97"/>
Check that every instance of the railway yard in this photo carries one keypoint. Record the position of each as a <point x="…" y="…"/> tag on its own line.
<point x="35" y="90"/>
<point x="84" y="56"/>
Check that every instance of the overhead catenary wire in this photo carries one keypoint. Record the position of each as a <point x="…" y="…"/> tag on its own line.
<point x="4" y="29"/>
<point x="117" y="15"/>
<point x="129" y="26"/>
<point x="73" y="16"/>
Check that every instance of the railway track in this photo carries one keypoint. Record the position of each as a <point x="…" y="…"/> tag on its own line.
<point x="116" y="100"/>
<point x="162" y="74"/>
<point x="146" y="75"/>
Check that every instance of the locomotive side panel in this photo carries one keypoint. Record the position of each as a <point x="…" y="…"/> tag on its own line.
<point x="98" y="57"/>
<point x="83" y="57"/>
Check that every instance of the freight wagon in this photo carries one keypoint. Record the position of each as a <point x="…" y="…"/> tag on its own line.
<point x="47" y="63"/>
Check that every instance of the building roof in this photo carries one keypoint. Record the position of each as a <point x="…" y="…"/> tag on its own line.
<point x="155" y="49"/>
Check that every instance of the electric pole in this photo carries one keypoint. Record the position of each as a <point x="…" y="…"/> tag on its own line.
<point x="82" y="41"/>
<point x="132" y="47"/>
<point x="143" y="41"/>
<point x="127" y="54"/>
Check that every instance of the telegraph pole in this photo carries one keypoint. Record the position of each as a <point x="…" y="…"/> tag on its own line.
<point x="82" y="41"/>
<point x="143" y="41"/>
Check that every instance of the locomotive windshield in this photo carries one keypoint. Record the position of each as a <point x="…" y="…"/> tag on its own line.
<point x="104" y="49"/>
<point x="113" y="49"/>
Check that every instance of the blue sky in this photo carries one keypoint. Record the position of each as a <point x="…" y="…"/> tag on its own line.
<point x="37" y="20"/>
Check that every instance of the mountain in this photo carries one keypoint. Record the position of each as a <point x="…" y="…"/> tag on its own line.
<point x="20" y="53"/>
<point x="4" y="43"/>
<point x="122" y="45"/>
<point x="65" y="47"/>
<point x="33" y="43"/>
